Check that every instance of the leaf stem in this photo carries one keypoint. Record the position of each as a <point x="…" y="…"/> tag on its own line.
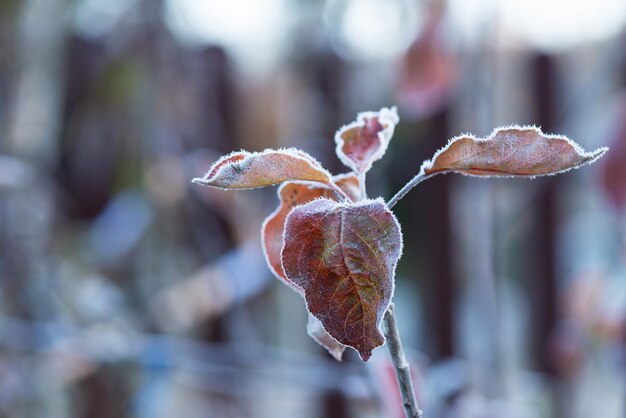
<point x="403" y="372"/>
<point x="420" y="177"/>
<point x="340" y="193"/>
<point x="362" y="189"/>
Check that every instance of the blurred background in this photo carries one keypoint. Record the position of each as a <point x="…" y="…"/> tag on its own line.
<point x="126" y="291"/>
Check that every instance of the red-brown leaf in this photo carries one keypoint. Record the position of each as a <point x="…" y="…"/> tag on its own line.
<point x="365" y="140"/>
<point x="290" y="195"/>
<point x="349" y="183"/>
<point x="512" y="151"/>
<point x="248" y="170"/>
<point x="344" y="257"/>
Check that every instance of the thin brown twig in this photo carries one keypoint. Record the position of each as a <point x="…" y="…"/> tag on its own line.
<point x="340" y="193"/>
<point x="403" y="372"/>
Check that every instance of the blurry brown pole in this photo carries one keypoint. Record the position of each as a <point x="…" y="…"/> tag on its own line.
<point x="544" y="281"/>
<point x="442" y="278"/>
<point x="425" y="217"/>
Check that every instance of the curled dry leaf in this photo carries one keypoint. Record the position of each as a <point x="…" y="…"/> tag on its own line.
<point x="511" y="151"/>
<point x="290" y="195"/>
<point x="343" y="256"/>
<point x="365" y="140"/>
<point x="249" y="170"/>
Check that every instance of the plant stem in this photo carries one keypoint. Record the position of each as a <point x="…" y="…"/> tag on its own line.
<point x="340" y="193"/>
<point x="362" y="188"/>
<point x="414" y="182"/>
<point x="403" y="372"/>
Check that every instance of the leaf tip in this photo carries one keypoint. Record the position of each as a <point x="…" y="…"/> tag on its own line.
<point x="198" y="180"/>
<point x="597" y="154"/>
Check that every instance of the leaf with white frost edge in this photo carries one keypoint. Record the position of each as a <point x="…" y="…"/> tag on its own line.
<point x="343" y="256"/>
<point x="249" y="170"/>
<point x="365" y="140"/>
<point x="512" y="151"/>
<point x="290" y="195"/>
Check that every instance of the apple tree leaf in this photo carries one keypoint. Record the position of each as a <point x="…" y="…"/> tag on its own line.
<point x="510" y="151"/>
<point x="349" y="183"/>
<point x="290" y="195"/>
<point x="343" y="256"/>
<point x="249" y="170"/>
<point x="365" y="140"/>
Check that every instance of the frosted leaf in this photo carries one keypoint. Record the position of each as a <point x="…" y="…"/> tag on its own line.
<point x="365" y="140"/>
<point x="349" y="183"/>
<point x="343" y="256"/>
<point x="248" y="170"/>
<point x="290" y="195"/>
<point x="510" y="151"/>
